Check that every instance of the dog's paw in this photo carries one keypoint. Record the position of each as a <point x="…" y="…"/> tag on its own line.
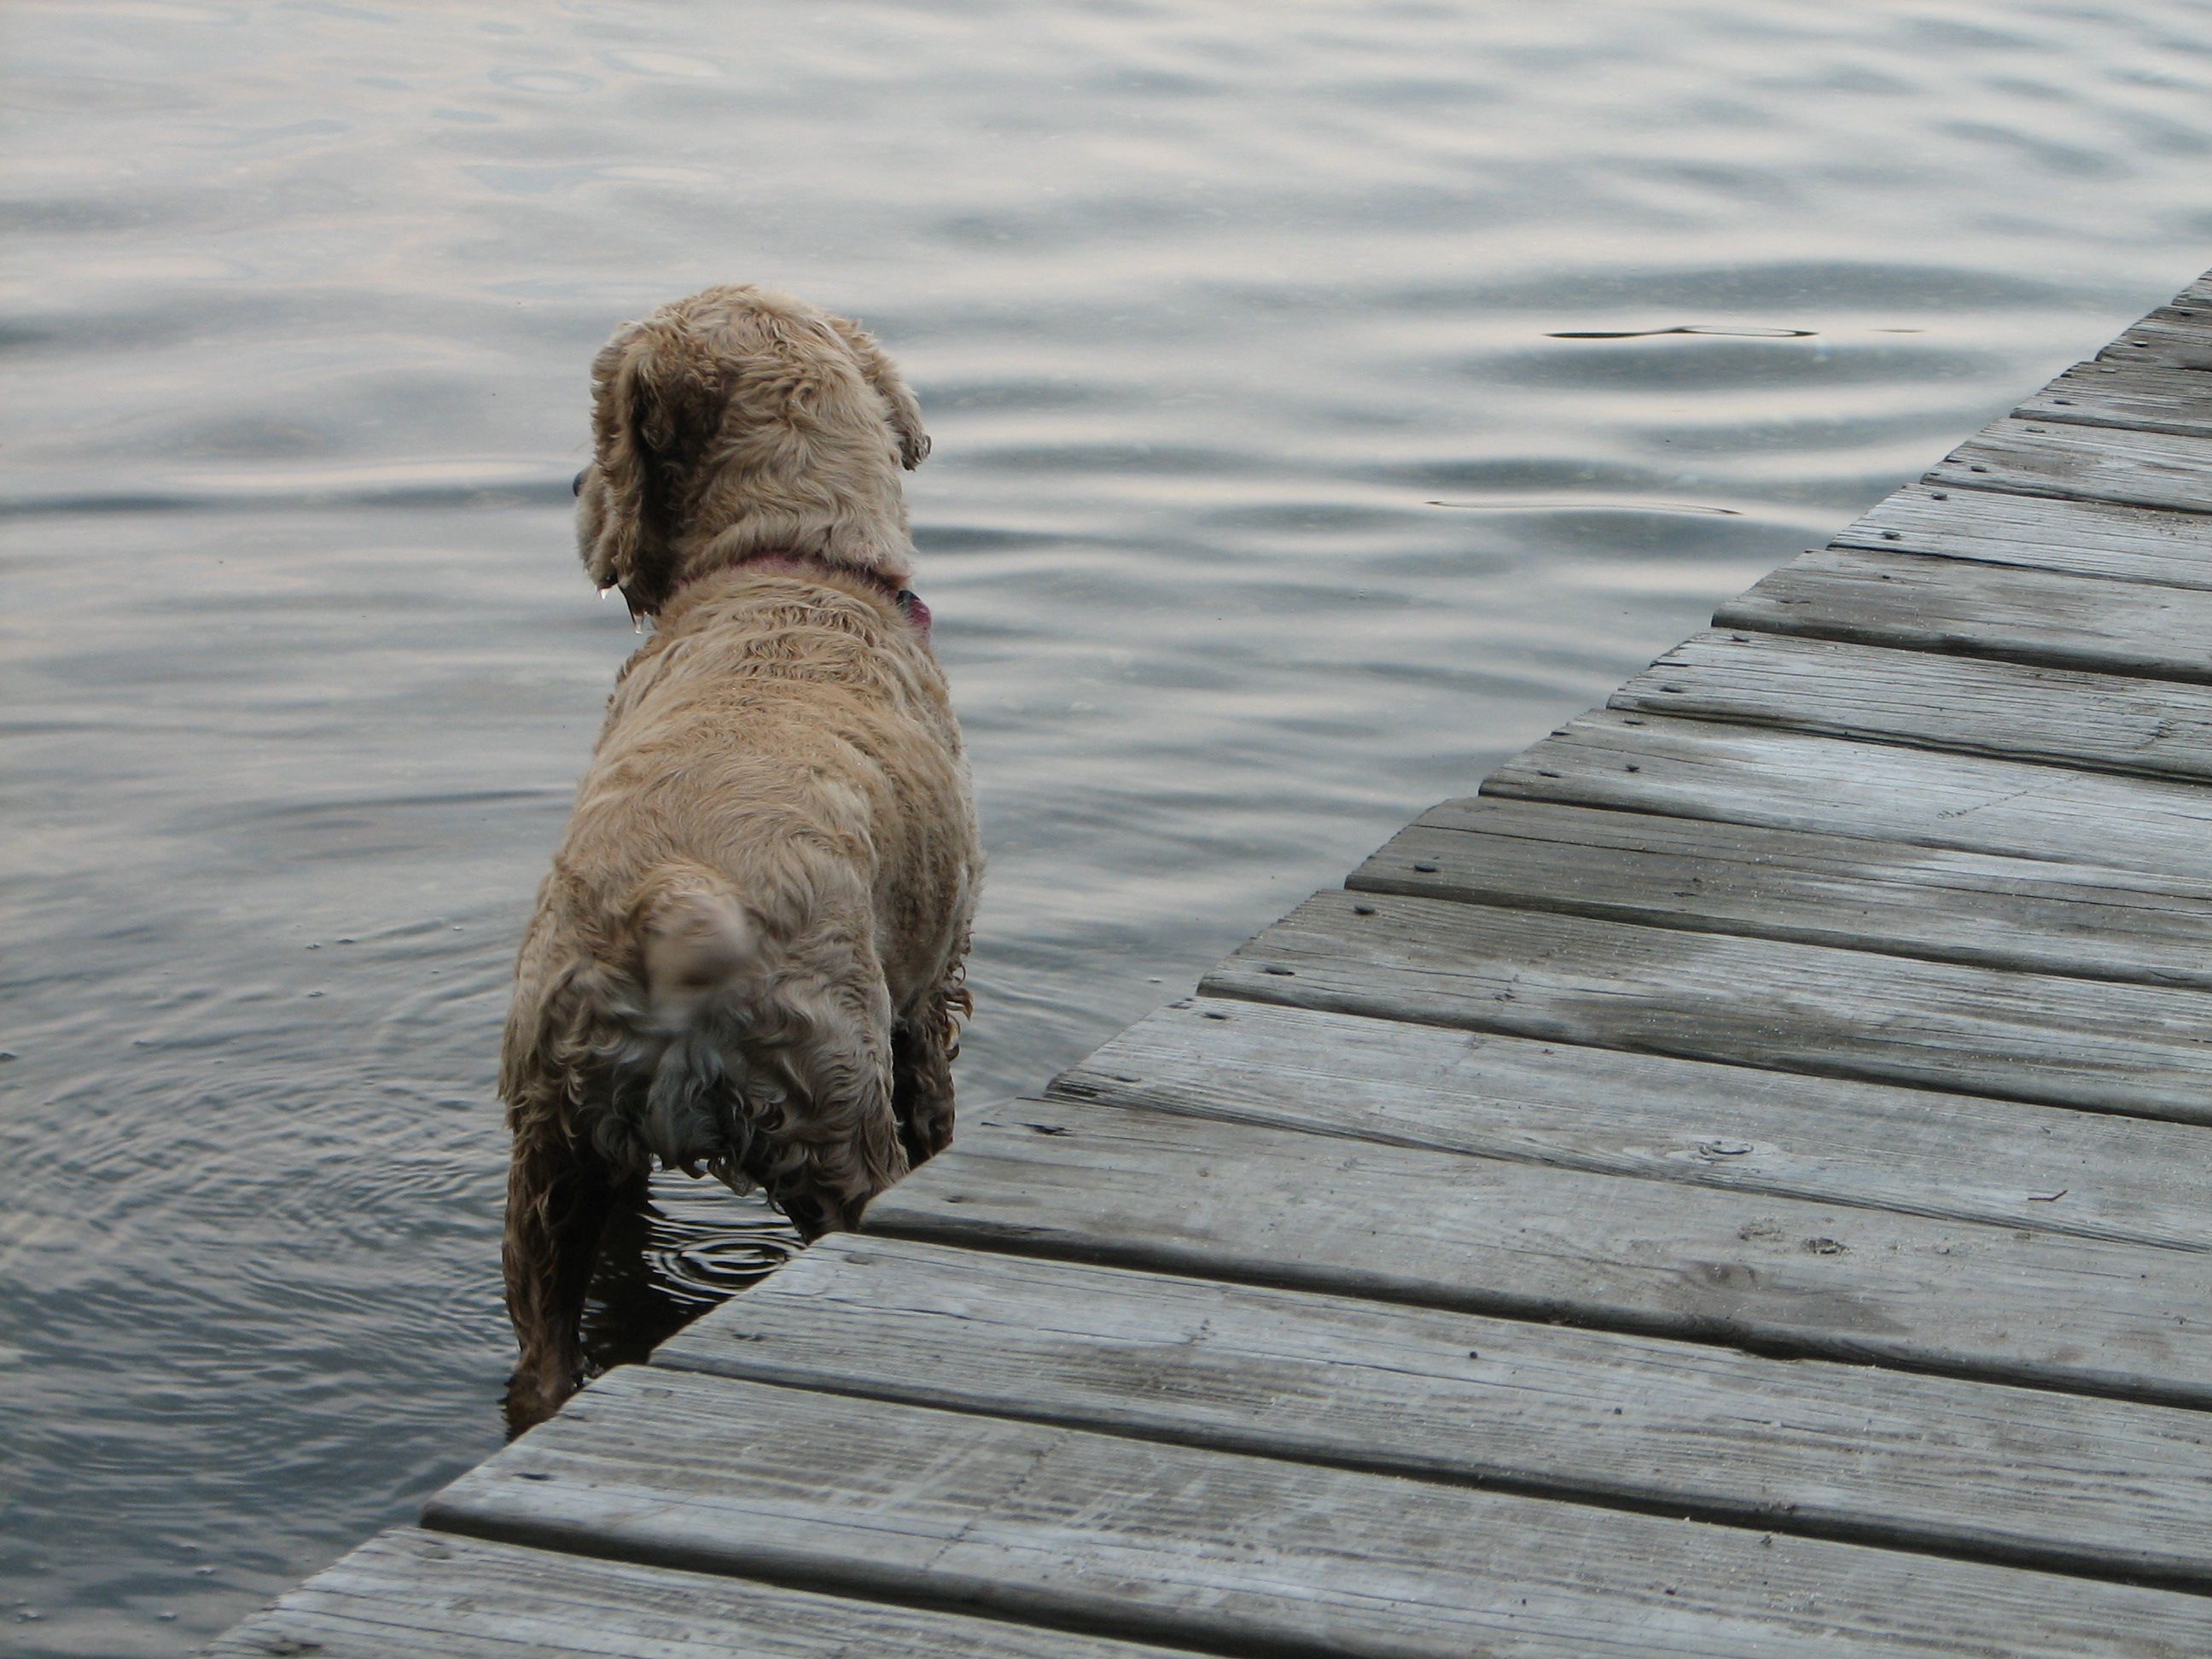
<point x="532" y="1397"/>
<point x="929" y="1133"/>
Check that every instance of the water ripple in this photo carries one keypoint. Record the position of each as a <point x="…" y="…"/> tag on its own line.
<point x="1326" y="405"/>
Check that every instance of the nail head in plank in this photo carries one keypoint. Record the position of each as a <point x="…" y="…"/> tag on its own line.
<point x="1796" y="780"/>
<point x="1176" y="1194"/>
<point x="1237" y="1554"/>
<point x="1822" y="1139"/>
<point x="444" y="1596"/>
<point x="2088" y="1044"/>
<point x="1803" y="1446"/>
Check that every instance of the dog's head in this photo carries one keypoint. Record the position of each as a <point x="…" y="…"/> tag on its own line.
<point x="740" y="422"/>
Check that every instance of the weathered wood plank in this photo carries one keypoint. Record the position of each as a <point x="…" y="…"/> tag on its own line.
<point x="1646" y="1115"/>
<point x="2139" y="398"/>
<point x="1903" y="900"/>
<point x="444" y="1596"/>
<point x="1175" y="1194"/>
<point x="1792" y="780"/>
<point x="1802" y="1446"/>
<point x="2014" y="711"/>
<point x="2038" y="533"/>
<point x="1237" y="1554"/>
<point x="1912" y="602"/>
<point x="2083" y="1043"/>
<point x="2177" y="336"/>
<point x="2036" y="457"/>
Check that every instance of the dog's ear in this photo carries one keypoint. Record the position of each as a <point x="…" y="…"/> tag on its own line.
<point x="656" y="402"/>
<point x="904" y="413"/>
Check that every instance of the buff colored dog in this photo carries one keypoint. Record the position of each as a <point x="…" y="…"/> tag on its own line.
<point x="748" y="956"/>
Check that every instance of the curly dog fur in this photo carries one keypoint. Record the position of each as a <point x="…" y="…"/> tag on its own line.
<point x="747" y="957"/>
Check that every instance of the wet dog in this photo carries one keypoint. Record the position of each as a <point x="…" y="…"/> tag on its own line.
<point x="747" y="958"/>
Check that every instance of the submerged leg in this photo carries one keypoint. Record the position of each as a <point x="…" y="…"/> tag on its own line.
<point x="558" y="1197"/>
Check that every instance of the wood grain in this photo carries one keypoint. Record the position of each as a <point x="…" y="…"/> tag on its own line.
<point x="1169" y="1194"/>
<point x="1894" y="897"/>
<point x="2177" y="336"/>
<point x="2034" y="533"/>
<point x="443" y="1596"/>
<point x="1675" y="1428"/>
<point x="2020" y="712"/>
<point x="2135" y="397"/>
<point x="1234" y="1553"/>
<point x="1908" y="601"/>
<point x="1795" y="780"/>
<point x="2039" y="457"/>
<point x="1659" y="1119"/>
<point x="2081" y="1043"/>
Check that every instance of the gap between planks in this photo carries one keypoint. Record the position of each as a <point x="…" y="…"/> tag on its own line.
<point x="2051" y="717"/>
<point x="1607" y="1111"/>
<point x="2034" y="532"/>
<point x="1891" y="898"/>
<point x="440" y="1595"/>
<point x="1172" y="1194"/>
<point x="2083" y="1044"/>
<point x="1920" y="602"/>
<point x="1776" y="778"/>
<point x="1231" y="1553"/>
<point x="1658" y="1427"/>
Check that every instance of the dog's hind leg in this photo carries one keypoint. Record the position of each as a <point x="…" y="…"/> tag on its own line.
<point x="558" y="1199"/>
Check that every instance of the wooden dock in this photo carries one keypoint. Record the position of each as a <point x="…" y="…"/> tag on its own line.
<point x="1738" y="1186"/>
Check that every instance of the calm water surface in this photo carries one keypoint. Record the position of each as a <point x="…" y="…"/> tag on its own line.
<point x="1328" y="400"/>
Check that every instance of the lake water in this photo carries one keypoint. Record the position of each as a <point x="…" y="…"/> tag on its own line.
<point x="1310" y="435"/>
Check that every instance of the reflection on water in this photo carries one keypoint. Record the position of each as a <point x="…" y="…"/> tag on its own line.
<point x="1569" y="504"/>
<point x="1207" y="305"/>
<point x="1747" y="333"/>
<point x="690" y="1246"/>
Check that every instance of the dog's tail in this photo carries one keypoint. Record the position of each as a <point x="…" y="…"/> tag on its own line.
<point x="777" y="1068"/>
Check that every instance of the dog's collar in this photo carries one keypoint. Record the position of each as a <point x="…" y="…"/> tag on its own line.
<point x="909" y="602"/>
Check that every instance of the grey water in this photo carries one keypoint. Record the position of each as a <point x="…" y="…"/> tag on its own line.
<point x="1329" y="399"/>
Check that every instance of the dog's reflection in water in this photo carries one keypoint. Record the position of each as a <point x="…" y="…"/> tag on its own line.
<point x="669" y="1255"/>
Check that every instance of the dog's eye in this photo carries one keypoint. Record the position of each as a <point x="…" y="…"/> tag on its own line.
<point x="577" y="488"/>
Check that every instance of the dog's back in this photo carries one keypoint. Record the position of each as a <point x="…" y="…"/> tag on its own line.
<point x="771" y="859"/>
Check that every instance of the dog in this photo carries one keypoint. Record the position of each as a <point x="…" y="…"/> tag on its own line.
<point x="748" y="958"/>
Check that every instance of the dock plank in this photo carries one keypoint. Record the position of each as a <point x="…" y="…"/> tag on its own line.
<point x="2088" y="1044"/>
<point x="2040" y="532"/>
<point x="1796" y="780"/>
<point x="2177" y="336"/>
<point x="2137" y="397"/>
<point x="1650" y="1117"/>
<point x="1169" y="1194"/>
<point x="1910" y="602"/>
<point x="1237" y="1554"/>
<point x="1805" y="1447"/>
<point x="440" y="1595"/>
<point x="1894" y="897"/>
<point x="2017" y="711"/>
<point x="2039" y="457"/>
